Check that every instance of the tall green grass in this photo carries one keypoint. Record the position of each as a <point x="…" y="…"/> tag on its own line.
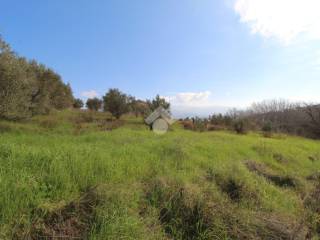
<point x="44" y="165"/>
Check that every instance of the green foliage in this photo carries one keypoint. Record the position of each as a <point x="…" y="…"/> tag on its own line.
<point x="78" y="103"/>
<point x="157" y="102"/>
<point x="138" y="107"/>
<point x="29" y="88"/>
<point x="267" y="127"/>
<point x="221" y="120"/>
<point x="116" y="102"/>
<point x="199" y="124"/>
<point x="241" y="126"/>
<point x="94" y="104"/>
<point x="16" y="84"/>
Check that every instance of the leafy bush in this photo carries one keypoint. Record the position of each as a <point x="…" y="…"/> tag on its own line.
<point x="78" y="103"/>
<point x="94" y="104"/>
<point x="29" y="88"/>
<point x="240" y="126"/>
<point x="267" y="127"/>
<point x="188" y="125"/>
<point x="158" y="102"/>
<point x="200" y="124"/>
<point x="116" y="102"/>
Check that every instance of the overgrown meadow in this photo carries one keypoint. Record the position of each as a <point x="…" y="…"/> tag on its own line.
<point x="82" y="175"/>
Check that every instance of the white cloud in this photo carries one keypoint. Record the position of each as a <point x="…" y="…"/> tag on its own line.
<point x="189" y="98"/>
<point x="89" y="94"/>
<point x="281" y="19"/>
<point x="199" y="104"/>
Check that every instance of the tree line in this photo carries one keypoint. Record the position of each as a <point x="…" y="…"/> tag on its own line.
<point x="119" y="103"/>
<point x="269" y="116"/>
<point x="28" y="88"/>
<point x="283" y="116"/>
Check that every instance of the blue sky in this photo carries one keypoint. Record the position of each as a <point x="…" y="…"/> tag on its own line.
<point x="202" y="55"/>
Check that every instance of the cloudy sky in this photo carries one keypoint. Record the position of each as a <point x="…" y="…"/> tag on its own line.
<point x="201" y="55"/>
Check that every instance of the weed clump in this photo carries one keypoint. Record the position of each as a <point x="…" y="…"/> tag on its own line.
<point x="181" y="213"/>
<point x="280" y="158"/>
<point x="312" y="203"/>
<point x="65" y="221"/>
<point x="5" y="151"/>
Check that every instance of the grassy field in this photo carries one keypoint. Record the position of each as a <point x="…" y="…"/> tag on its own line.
<point x="73" y="175"/>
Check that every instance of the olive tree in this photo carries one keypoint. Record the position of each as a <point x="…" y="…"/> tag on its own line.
<point x="116" y="102"/>
<point x="94" y="104"/>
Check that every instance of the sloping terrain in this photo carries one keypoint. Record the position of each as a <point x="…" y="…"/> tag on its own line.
<point x="74" y="175"/>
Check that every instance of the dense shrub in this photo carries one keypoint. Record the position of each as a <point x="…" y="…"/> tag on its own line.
<point x="188" y="125"/>
<point x="241" y="126"/>
<point x="267" y="127"/>
<point x="285" y="117"/>
<point x="220" y="119"/>
<point x="94" y="104"/>
<point x="116" y="102"/>
<point x="138" y="107"/>
<point x="78" y="103"/>
<point x="29" y="88"/>
<point x="158" y="102"/>
<point x="200" y="124"/>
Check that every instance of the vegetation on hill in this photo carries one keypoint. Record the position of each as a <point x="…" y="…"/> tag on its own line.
<point x="94" y="104"/>
<point x="28" y="88"/>
<point x="81" y="174"/>
<point x="273" y="116"/>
